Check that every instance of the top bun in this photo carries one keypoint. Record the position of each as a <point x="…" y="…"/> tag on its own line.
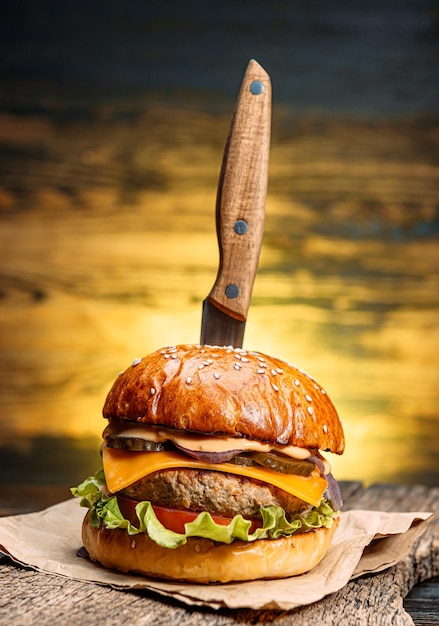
<point x="229" y="392"/>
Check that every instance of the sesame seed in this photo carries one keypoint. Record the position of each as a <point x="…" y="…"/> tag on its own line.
<point x="133" y="543"/>
<point x="152" y="391"/>
<point x="275" y="387"/>
<point x="308" y="398"/>
<point x="244" y="359"/>
<point x="325" y="428"/>
<point x="197" y="547"/>
<point x="261" y="371"/>
<point x="167" y="356"/>
<point x="274" y="372"/>
<point x="174" y="356"/>
<point x="188" y="380"/>
<point x="323" y="391"/>
<point x="297" y="382"/>
<point x="237" y="356"/>
<point x="279" y="371"/>
<point x="173" y="349"/>
<point x="216" y="375"/>
<point x="310" y="410"/>
<point x="120" y="373"/>
<point x="162" y="352"/>
<point x="200" y="367"/>
<point x="261" y="359"/>
<point x="136" y="362"/>
<point x="237" y="366"/>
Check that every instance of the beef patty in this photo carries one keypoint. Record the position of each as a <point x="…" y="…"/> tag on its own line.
<point x="215" y="492"/>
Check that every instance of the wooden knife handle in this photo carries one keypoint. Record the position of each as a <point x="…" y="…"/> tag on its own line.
<point x="242" y="191"/>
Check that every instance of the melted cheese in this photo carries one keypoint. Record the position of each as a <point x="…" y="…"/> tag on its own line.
<point x="123" y="468"/>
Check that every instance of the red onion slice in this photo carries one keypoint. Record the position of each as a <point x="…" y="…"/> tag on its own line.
<point x="209" y="457"/>
<point x="333" y="492"/>
<point x="317" y="461"/>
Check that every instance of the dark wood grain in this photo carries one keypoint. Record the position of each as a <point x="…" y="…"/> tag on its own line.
<point x="422" y="603"/>
<point x="30" y="597"/>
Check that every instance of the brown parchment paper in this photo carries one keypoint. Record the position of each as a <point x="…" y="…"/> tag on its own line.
<point x="365" y="542"/>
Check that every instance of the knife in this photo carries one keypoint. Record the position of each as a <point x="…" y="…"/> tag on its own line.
<point x="240" y="211"/>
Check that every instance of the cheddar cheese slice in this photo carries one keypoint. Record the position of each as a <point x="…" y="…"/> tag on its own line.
<point x="124" y="467"/>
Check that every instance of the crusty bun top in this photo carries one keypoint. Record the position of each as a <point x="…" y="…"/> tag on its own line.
<point x="226" y="391"/>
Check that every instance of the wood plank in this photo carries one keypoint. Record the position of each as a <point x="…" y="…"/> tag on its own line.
<point x="422" y="603"/>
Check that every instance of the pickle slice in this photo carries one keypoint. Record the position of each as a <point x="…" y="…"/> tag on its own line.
<point x="135" y="444"/>
<point x="278" y="463"/>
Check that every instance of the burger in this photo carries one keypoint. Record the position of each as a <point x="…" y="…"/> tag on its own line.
<point x="213" y="469"/>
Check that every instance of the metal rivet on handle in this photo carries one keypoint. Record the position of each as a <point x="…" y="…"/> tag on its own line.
<point x="232" y="291"/>
<point x="240" y="227"/>
<point x="256" y="87"/>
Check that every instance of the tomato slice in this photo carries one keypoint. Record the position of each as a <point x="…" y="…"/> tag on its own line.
<point x="174" y="519"/>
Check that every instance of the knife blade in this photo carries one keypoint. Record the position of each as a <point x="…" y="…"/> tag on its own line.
<point x="240" y="211"/>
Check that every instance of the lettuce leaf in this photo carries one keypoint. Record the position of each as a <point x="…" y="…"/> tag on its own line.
<point x="104" y="509"/>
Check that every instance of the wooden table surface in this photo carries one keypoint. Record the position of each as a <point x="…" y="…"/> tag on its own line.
<point x="394" y="596"/>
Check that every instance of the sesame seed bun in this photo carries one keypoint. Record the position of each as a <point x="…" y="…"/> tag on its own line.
<point x="229" y="392"/>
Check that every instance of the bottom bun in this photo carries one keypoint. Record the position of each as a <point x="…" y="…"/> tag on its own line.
<point x="205" y="561"/>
